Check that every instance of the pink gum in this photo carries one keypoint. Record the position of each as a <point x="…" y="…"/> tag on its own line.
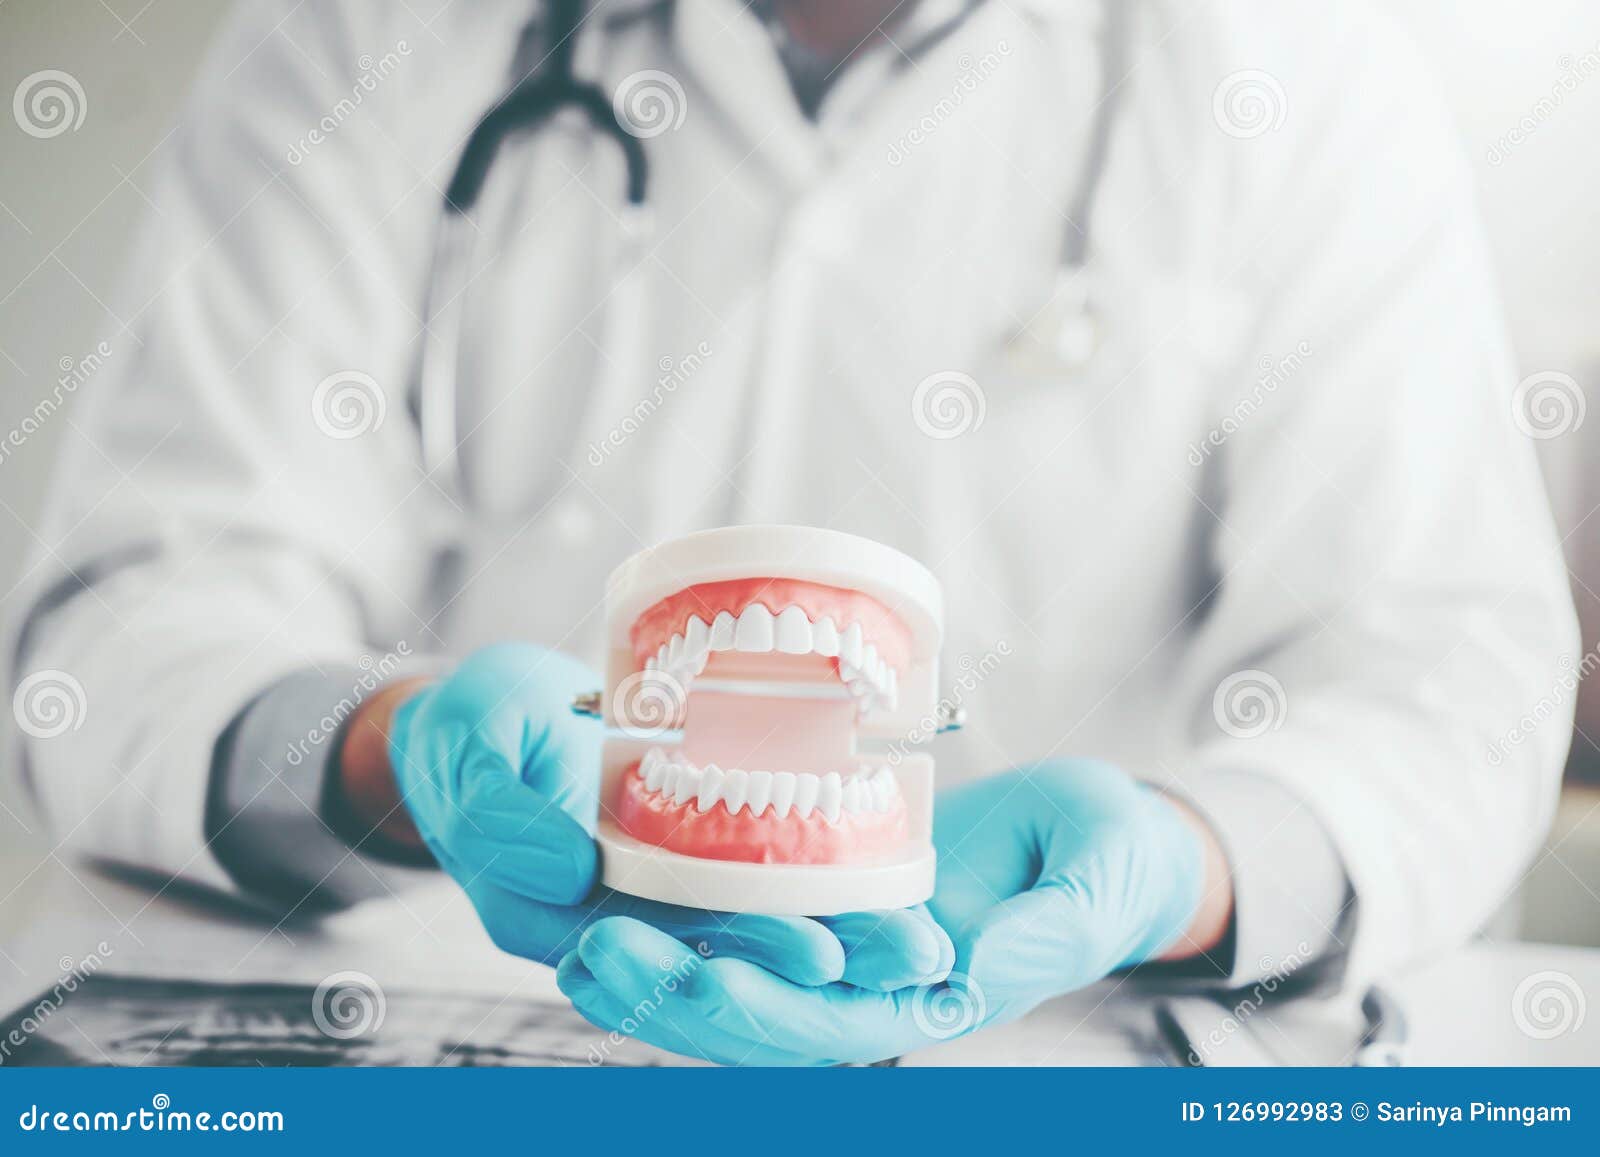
<point x="715" y="834"/>
<point x="879" y="625"/>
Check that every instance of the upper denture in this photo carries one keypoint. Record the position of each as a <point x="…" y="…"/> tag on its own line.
<point x="869" y="643"/>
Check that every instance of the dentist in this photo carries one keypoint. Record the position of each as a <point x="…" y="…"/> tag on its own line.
<point x="1249" y="571"/>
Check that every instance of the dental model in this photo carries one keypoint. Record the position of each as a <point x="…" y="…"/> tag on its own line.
<point x="743" y="666"/>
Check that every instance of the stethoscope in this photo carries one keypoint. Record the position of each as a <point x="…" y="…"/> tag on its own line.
<point x="1190" y="1026"/>
<point x="549" y="87"/>
<point x="1061" y="338"/>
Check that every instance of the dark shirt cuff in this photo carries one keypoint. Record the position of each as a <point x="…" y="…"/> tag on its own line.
<point x="274" y="816"/>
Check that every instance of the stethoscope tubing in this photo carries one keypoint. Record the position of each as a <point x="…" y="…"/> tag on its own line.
<point x="550" y="87"/>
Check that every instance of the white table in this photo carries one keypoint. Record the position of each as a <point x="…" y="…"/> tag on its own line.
<point x="1460" y="1008"/>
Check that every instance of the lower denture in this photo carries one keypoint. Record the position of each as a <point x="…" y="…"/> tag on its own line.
<point x="716" y="833"/>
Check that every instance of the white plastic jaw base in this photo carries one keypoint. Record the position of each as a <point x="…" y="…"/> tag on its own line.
<point x="642" y="869"/>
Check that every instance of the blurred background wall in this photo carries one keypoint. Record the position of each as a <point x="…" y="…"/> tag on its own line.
<point x="1527" y="106"/>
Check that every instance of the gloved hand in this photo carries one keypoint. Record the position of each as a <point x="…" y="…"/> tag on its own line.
<point x="1050" y="877"/>
<point x="501" y="780"/>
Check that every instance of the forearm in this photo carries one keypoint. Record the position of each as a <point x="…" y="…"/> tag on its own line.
<point x="150" y="680"/>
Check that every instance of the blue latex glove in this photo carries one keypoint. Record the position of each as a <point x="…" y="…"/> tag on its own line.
<point x="1050" y="878"/>
<point x="502" y="779"/>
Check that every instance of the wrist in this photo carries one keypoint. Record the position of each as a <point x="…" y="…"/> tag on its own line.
<point x="364" y="787"/>
<point x="1212" y="920"/>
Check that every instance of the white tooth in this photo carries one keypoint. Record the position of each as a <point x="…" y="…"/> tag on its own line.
<point x="669" y="778"/>
<point x="696" y="638"/>
<point x="868" y="804"/>
<point x="825" y="637"/>
<point x="783" y="792"/>
<point x="850" y="646"/>
<point x="759" y="794"/>
<point x="850" y="795"/>
<point x="869" y="663"/>
<point x="710" y="788"/>
<point x="793" y="632"/>
<point x="650" y="663"/>
<point x="654" y="767"/>
<point x="688" y="784"/>
<point x="882" y="790"/>
<point x="805" y="793"/>
<point x="722" y="631"/>
<point x="661" y="656"/>
<point x="674" y="650"/>
<point x="894" y="688"/>
<point x="735" y="788"/>
<point x="755" y="630"/>
<point x="830" y="796"/>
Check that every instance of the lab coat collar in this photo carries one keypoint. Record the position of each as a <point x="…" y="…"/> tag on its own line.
<point x="732" y="57"/>
<point x="863" y="79"/>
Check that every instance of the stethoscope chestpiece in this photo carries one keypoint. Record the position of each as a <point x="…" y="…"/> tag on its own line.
<point x="1063" y="336"/>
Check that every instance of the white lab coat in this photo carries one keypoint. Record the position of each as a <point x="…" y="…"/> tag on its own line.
<point x="1372" y="533"/>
